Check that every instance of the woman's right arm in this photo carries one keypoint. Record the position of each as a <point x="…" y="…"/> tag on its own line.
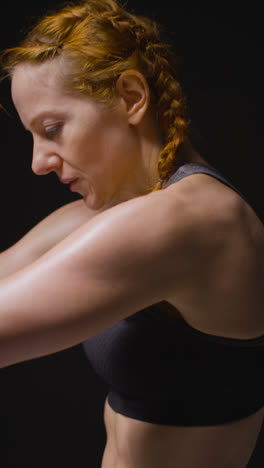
<point x="45" y="235"/>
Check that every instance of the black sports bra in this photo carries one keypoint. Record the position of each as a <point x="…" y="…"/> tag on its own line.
<point x="163" y="371"/>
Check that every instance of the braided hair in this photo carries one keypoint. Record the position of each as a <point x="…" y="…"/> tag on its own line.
<point x="98" y="40"/>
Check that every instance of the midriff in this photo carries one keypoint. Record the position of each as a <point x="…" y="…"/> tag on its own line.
<point x="226" y="301"/>
<point x="137" y="444"/>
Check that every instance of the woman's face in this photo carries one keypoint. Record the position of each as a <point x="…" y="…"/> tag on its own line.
<point x="78" y="138"/>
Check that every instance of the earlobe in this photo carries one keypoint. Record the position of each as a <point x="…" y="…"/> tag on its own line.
<point x="133" y="88"/>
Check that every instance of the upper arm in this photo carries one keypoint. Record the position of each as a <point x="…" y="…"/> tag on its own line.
<point x="124" y="260"/>
<point x="45" y="235"/>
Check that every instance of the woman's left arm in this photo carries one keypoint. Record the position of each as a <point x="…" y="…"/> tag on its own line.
<point x="126" y="258"/>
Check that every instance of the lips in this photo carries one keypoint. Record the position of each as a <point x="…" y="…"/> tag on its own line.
<point x="68" y="181"/>
<point x="72" y="182"/>
<point x="73" y="185"/>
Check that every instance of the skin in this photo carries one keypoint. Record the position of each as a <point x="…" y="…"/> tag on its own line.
<point x="113" y="151"/>
<point x="86" y="268"/>
<point x="68" y="131"/>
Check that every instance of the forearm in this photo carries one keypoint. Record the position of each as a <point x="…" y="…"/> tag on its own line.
<point x="100" y="274"/>
<point x="43" y="237"/>
<point x="11" y="262"/>
<point x="44" y="308"/>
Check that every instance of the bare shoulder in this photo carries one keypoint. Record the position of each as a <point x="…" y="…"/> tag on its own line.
<point x="226" y="274"/>
<point x="212" y="222"/>
<point x="211" y="206"/>
<point x="214" y="199"/>
<point x="124" y="259"/>
<point x="164" y="236"/>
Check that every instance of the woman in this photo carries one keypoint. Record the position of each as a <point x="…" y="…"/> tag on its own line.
<point x="158" y="270"/>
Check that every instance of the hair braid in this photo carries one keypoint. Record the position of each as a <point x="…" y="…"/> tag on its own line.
<point x="172" y="115"/>
<point x="98" y="40"/>
<point x="170" y="102"/>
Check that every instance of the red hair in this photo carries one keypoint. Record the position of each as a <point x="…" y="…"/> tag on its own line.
<point x="98" y="40"/>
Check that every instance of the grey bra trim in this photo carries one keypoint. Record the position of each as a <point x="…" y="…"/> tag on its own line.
<point x="201" y="168"/>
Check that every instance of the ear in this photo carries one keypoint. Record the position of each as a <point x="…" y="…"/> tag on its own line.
<point x="133" y="89"/>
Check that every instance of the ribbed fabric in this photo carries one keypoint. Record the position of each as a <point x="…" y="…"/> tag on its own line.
<point x="163" y="371"/>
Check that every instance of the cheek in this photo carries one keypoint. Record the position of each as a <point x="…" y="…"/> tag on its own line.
<point x="87" y="152"/>
<point x="117" y="139"/>
<point x="104" y="140"/>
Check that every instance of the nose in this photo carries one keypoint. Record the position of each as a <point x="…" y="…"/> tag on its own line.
<point x="44" y="161"/>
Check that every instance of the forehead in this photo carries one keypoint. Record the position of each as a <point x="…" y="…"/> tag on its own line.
<point x="36" y="89"/>
<point x="29" y="77"/>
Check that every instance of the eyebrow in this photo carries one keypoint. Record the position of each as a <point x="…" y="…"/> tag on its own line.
<point x="40" y="116"/>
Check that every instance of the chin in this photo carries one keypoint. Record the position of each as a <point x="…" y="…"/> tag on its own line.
<point x="94" y="203"/>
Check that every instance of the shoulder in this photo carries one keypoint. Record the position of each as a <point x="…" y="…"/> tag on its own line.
<point x="135" y="254"/>
<point x="196" y="206"/>
<point x="162" y="238"/>
<point x="206" y="201"/>
<point x="210" y="204"/>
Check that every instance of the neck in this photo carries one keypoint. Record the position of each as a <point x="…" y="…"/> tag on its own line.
<point x="188" y="154"/>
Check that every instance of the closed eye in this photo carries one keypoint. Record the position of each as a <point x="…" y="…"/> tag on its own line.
<point x="52" y="131"/>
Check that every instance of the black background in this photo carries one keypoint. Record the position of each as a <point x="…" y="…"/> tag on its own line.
<point x="52" y="408"/>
